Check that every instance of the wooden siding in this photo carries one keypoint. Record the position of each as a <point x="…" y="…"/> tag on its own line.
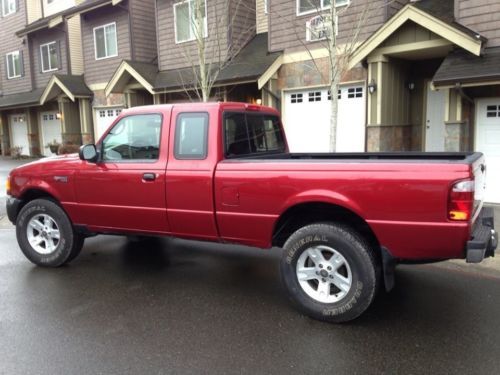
<point x="46" y="36"/>
<point x="181" y="55"/>
<point x="287" y="30"/>
<point x="100" y="71"/>
<point x="409" y="32"/>
<point x="481" y="16"/>
<point x="395" y="6"/>
<point x="74" y="28"/>
<point x="261" y="16"/>
<point x="241" y="23"/>
<point x="10" y="42"/>
<point x="34" y="10"/>
<point x="143" y="30"/>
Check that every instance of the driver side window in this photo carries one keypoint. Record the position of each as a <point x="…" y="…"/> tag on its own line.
<point x="135" y="137"/>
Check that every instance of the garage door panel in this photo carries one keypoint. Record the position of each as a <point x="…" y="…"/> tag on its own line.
<point x="51" y="131"/>
<point x="307" y="120"/>
<point x="104" y="118"/>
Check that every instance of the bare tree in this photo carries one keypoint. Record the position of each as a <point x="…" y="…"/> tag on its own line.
<point x="215" y="47"/>
<point x="323" y="28"/>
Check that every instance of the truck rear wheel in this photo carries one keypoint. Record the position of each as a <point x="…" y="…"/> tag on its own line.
<point x="45" y="234"/>
<point x="329" y="272"/>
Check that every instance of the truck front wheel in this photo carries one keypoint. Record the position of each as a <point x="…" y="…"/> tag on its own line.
<point x="45" y="234"/>
<point x="330" y="272"/>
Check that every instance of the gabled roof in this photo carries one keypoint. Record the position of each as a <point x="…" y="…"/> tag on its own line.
<point x="25" y="99"/>
<point x="144" y="73"/>
<point x="249" y="65"/>
<point x="72" y="86"/>
<point x="434" y="16"/>
<point x="462" y="67"/>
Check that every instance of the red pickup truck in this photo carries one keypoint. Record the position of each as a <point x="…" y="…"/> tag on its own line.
<point x="222" y="172"/>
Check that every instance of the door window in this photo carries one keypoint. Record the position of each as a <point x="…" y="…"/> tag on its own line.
<point x="134" y="137"/>
<point x="191" y="136"/>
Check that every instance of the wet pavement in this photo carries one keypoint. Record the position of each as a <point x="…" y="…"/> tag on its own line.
<point x="172" y="306"/>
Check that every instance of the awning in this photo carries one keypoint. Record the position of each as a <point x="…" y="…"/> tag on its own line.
<point x="143" y="73"/>
<point x="24" y="99"/>
<point x="435" y="16"/>
<point x="251" y="63"/>
<point x="70" y="85"/>
<point x="461" y="67"/>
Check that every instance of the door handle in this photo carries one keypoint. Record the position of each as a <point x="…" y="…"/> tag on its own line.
<point x="149" y="176"/>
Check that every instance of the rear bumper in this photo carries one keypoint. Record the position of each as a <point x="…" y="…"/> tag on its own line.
<point x="484" y="239"/>
<point x="13" y="209"/>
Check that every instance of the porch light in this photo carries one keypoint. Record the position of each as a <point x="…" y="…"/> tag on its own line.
<point x="258" y="101"/>
<point x="58" y="115"/>
<point x="372" y="86"/>
<point x="410" y="85"/>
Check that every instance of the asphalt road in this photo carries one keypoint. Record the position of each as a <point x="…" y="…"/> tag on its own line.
<point x="172" y="306"/>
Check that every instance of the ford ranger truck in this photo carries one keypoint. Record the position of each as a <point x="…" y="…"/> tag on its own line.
<point x="222" y="172"/>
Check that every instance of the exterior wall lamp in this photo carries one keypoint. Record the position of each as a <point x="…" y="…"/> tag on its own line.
<point x="410" y="85"/>
<point x="372" y="86"/>
<point x="58" y="115"/>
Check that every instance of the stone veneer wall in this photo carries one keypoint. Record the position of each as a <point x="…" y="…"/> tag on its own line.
<point x="389" y="138"/>
<point x="100" y="99"/>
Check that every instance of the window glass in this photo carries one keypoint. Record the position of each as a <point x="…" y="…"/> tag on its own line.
<point x="105" y="41"/>
<point x="315" y="5"/>
<point x="134" y="137"/>
<point x="191" y="136"/>
<point x="13" y="65"/>
<point x="185" y="20"/>
<point x="252" y="133"/>
<point x="8" y="7"/>
<point x="49" y="57"/>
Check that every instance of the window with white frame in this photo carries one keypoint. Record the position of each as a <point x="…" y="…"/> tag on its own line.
<point x="319" y="27"/>
<point x="266" y="9"/>
<point x="14" y="65"/>
<point x="9" y="7"/>
<point x="186" y="21"/>
<point x="105" y="41"/>
<point x="49" y="57"/>
<point x="309" y="6"/>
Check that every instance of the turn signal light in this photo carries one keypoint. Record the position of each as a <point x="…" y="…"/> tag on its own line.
<point x="7" y="185"/>
<point x="461" y="201"/>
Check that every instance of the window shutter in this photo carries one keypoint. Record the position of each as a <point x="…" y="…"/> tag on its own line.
<point x="21" y="62"/>
<point x="59" y="60"/>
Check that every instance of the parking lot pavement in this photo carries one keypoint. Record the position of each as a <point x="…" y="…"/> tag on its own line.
<point x="172" y="306"/>
<point x="6" y="165"/>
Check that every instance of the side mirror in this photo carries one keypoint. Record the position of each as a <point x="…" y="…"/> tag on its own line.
<point x="88" y="153"/>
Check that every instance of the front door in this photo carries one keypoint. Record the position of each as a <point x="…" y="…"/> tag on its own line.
<point x="488" y="142"/>
<point x="434" y="125"/>
<point x="125" y="190"/>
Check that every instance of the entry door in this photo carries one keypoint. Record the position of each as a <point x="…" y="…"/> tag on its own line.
<point x="51" y="130"/>
<point x="488" y="142"/>
<point x="125" y="190"/>
<point x="19" y="132"/>
<point x="435" y="127"/>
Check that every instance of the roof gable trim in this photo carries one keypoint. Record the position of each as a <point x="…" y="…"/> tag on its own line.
<point x="125" y="67"/>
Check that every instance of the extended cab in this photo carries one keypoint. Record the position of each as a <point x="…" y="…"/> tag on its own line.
<point x="222" y="172"/>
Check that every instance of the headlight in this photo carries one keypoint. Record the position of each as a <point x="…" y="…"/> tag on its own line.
<point x="7" y="185"/>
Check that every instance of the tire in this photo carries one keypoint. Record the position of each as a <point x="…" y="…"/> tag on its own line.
<point x="329" y="255"/>
<point x="39" y="221"/>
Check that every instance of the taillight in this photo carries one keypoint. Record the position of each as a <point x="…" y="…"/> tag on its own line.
<point x="461" y="201"/>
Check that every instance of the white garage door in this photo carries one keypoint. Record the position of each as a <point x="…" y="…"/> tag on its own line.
<point x="19" y="132"/>
<point x="488" y="142"/>
<point x="104" y="118"/>
<point x="51" y="131"/>
<point x="307" y="120"/>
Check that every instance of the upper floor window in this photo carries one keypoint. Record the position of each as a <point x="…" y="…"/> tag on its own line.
<point x="14" y="65"/>
<point x="310" y="6"/>
<point x="186" y="20"/>
<point x="105" y="41"/>
<point x="49" y="57"/>
<point x="9" y="7"/>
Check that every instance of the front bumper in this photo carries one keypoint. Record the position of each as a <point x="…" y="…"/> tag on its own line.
<point x="13" y="209"/>
<point x="484" y="239"/>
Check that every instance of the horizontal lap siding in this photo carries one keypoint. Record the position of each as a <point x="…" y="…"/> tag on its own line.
<point x="242" y="23"/>
<point x="42" y="37"/>
<point x="261" y="17"/>
<point x="287" y="30"/>
<point x="174" y="56"/>
<point x="481" y="16"/>
<point x="143" y="30"/>
<point x="100" y="71"/>
<point x="10" y="42"/>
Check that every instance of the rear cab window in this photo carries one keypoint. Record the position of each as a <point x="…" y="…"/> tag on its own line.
<point x="191" y="136"/>
<point x="251" y="134"/>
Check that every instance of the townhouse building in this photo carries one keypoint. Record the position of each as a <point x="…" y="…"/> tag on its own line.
<point x="423" y="75"/>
